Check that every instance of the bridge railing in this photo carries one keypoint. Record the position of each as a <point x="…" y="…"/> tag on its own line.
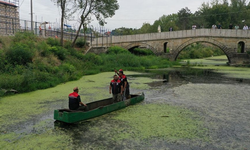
<point x="228" y="33"/>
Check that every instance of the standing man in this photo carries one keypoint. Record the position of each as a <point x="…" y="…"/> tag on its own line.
<point x="230" y="26"/>
<point x="245" y="27"/>
<point x="117" y="89"/>
<point x="236" y="27"/>
<point x="125" y="84"/>
<point x="219" y="26"/>
<point x="214" y="26"/>
<point x="75" y="101"/>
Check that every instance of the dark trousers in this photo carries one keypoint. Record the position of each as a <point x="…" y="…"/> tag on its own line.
<point x="83" y="108"/>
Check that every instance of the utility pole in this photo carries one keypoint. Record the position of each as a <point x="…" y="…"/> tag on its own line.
<point x="31" y="10"/>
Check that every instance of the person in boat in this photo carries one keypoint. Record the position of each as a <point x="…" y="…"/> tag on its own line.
<point x="75" y="101"/>
<point x="125" y="84"/>
<point x="116" y="88"/>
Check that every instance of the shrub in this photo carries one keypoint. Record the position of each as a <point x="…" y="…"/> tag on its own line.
<point x="93" y="58"/>
<point x="139" y="51"/>
<point x="53" y="41"/>
<point x="75" y="53"/>
<point x="60" y="52"/>
<point x="43" y="48"/>
<point x="68" y="68"/>
<point x="24" y="37"/>
<point x="67" y="44"/>
<point x="2" y="60"/>
<point x="80" y="42"/>
<point x="117" y="50"/>
<point x="19" y="54"/>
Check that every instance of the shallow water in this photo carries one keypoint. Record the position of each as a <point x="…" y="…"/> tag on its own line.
<point x="182" y="110"/>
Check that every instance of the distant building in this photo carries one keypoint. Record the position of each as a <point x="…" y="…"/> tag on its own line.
<point x="9" y="17"/>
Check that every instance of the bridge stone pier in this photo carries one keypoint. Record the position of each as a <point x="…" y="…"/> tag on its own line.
<point x="170" y="44"/>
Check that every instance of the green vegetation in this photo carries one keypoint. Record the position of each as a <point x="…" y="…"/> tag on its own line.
<point x="209" y="13"/>
<point x="199" y="50"/>
<point x="81" y="42"/>
<point x="142" y="52"/>
<point x="160" y="121"/>
<point x="29" y="63"/>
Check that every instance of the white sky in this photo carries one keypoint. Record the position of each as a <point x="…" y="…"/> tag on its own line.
<point x="131" y="14"/>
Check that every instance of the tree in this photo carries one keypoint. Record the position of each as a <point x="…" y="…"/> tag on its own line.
<point x="166" y="22"/>
<point x="100" y="9"/>
<point x="184" y="16"/>
<point x="145" y="28"/>
<point x="240" y="12"/>
<point x="216" y="13"/>
<point x="62" y="5"/>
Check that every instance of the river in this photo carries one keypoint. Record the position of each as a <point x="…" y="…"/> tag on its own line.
<point x="184" y="108"/>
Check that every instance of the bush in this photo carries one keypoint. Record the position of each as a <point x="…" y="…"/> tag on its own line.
<point x="53" y="41"/>
<point x="2" y="60"/>
<point x="199" y="51"/>
<point x="68" y="68"/>
<point x="75" y="53"/>
<point x="67" y="44"/>
<point x="93" y="58"/>
<point x="60" y="52"/>
<point x="19" y="54"/>
<point x="43" y="48"/>
<point x="80" y="42"/>
<point x="117" y="50"/>
<point x="139" y="51"/>
<point x="24" y="37"/>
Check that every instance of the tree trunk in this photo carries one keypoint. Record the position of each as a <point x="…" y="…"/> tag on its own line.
<point x="63" y="3"/>
<point x="61" y="41"/>
<point x="77" y="33"/>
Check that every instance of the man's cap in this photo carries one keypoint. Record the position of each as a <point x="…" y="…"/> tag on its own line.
<point x="75" y="88"/>
<point x="121" y="70"/>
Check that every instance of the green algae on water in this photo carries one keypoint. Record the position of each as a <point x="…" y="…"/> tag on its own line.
<point x="160" y="121"/>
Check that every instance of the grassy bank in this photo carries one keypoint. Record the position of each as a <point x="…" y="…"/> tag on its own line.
<point x="29" y="63"/>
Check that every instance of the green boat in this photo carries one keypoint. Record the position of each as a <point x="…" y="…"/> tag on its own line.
<point x="96" y="108"/>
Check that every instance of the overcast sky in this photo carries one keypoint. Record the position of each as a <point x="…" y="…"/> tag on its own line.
<point x="131" y="14"/>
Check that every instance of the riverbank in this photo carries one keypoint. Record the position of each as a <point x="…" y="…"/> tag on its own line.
<point x="29" y="63"/>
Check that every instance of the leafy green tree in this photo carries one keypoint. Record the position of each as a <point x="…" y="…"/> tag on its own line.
<point x="145" y="28"/>
<point x="101" y="9"/>
<point x="184" y="16"/>
<point x="124" y="31"/>
<point x="240" y="11"/>
<point x="169" y="21"/>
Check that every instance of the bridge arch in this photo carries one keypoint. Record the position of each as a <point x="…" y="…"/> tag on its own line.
<point x="141" y="45"/>
<point x="241" y="46"/>
<point x="205" y="40"/>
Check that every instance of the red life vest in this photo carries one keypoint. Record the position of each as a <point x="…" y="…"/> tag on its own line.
<point x="116" y="86"/>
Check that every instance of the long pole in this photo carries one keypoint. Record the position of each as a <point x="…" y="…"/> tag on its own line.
<point x="31" y="10"/>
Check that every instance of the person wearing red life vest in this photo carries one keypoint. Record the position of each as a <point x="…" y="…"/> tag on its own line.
<point x="75" y="101"/>
<point x="116" y="88"/>
<point x="125" y="84"/>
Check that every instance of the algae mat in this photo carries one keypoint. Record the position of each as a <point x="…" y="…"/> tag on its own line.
<point x="26" y="119"/>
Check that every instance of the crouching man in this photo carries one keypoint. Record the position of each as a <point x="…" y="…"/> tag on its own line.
<point x="75" y="101"/>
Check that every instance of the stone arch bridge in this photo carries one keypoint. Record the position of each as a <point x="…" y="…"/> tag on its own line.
<point x="170" y="44"/>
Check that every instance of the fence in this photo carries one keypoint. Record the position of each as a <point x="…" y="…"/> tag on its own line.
<point x="9" y="26"/>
